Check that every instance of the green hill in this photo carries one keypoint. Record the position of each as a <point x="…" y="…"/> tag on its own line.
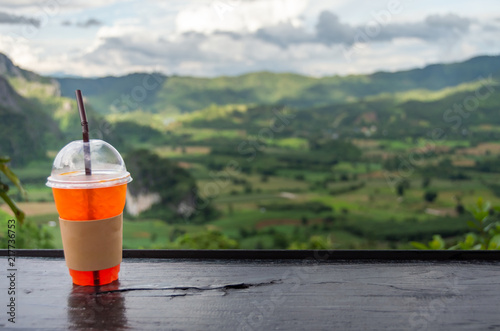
<point x="185" y="94"/>
<point x="116" y="94"/>
<point x="25" y="132"/>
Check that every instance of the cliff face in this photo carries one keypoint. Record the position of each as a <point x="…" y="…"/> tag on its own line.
<point x="9" y="99"/>
<point x="24" y="127"/>
<point x="10" y="71"/>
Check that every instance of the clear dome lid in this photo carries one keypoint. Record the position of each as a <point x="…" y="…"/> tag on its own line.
<point x="107" y="167"/>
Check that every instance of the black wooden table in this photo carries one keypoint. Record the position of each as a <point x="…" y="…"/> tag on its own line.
<point x="262" y="290"/>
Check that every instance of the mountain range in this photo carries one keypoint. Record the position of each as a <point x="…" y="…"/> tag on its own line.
<point x="185" y="94"/>
<point x="37" y="111"/>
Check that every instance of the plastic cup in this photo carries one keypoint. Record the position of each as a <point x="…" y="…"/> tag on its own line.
<point x="81" y="197"/>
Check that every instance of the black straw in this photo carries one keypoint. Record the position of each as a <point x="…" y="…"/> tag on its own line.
<point x="85" y="132"/>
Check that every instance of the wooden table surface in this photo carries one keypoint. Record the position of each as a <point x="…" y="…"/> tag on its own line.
<point x="282" y="294"/>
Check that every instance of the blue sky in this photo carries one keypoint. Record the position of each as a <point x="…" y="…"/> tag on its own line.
<point x="231" y="37"/>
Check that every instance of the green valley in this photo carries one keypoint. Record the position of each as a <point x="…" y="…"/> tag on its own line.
<point x="268" y="160"/>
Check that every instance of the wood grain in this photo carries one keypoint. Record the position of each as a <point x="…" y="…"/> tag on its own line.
<point x="177" y="294"/>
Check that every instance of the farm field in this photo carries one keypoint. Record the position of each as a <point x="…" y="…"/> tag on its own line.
<point x="352" y="206"/>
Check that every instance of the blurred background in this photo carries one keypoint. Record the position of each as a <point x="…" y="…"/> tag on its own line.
<point x="263" y="124"/>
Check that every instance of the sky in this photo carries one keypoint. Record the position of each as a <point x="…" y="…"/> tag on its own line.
<point x="94" y="38"/>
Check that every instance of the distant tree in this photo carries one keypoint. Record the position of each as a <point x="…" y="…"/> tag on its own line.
<point x="205" y="240"/>
<point x="400" y="189"/>
<point x="460" y="209"/>
<point x="267" y="172"/>
<point x="304" y="220"/>
<point x="300" y="177"/>
<point x="430" y="196"/>
<point x="175" y="186"/>
<point x="459" y="175"/>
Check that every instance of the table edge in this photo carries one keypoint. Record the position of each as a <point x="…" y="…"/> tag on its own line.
<point x="320" y="255"/>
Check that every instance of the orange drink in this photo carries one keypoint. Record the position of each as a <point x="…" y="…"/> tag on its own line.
<point x="88" y="207"/>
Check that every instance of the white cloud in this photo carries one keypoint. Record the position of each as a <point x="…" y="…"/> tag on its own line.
<point x="196" y="38"/>
<point x="238" y="16"/>
<point x="20" y="51"/>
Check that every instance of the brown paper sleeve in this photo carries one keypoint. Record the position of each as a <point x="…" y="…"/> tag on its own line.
<point x="92" y="245"/>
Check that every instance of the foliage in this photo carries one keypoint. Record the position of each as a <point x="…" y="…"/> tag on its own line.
<point x="430" y="196"/>
<point x="206" y="240"/>
<point x="486" y="228"/>
<point x="28" y="235"/>
<point x="485" y="235"/>
<point x="4" y="188"/>
<point x="314" y="242"/>
<point x="437" y="242"/>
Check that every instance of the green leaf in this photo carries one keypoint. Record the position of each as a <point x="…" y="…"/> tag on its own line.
<point x="491" y="226"/>
<point x="470" y="240"/>
<point x="494" y="242"/>
<point x="17" y="212"/>
<point x="479" y="203"/>
<point x="487" y="206"/>
<point x="481" y="211"/>
<point x="419" y="245"/>
<point x="437" y="242"/>
<point x="473" y="225"/>
<point x="13" y="178"/>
